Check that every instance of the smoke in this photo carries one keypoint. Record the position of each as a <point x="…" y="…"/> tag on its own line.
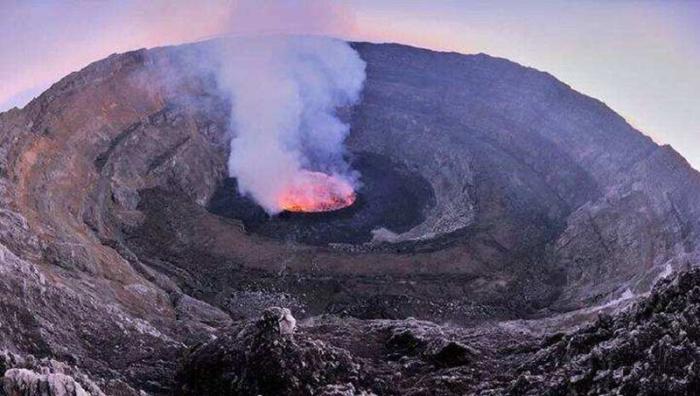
<point x="284" y="92"/>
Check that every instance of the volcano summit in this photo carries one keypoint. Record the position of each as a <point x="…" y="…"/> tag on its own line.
<point x="505" y="236"/>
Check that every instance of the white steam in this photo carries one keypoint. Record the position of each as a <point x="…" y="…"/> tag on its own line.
<point x="285" y="91"/>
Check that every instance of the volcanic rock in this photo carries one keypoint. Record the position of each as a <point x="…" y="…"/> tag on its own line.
<point x="502" y="213"/>
<point x="47" y="377"/>
<point x="650" y="349"/>
<point x="264" y="357"/>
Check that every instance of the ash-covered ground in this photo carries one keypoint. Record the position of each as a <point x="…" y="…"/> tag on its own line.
<point x="506" y="238"/>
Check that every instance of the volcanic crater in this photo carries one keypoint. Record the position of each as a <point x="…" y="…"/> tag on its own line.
<point x="498" y="207"/>
<point x="390" y="199"/>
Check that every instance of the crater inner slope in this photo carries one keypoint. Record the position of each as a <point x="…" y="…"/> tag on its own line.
<point x="509" y="194"/>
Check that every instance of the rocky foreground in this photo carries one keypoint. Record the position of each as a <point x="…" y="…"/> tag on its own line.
<point x="650" y="348"/>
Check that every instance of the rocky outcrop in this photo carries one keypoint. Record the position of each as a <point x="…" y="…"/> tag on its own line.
<point x="264" y="357"/>
<point x="651" y="349"/>
<point x="335" y="356"/>
<point x="29" y="376"/>
<point x="23" y="382"/>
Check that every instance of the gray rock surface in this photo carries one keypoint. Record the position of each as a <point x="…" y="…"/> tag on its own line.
<point x="652" y="348"/>
<point x="29" y="376"/>
<point x="18" y="382"/>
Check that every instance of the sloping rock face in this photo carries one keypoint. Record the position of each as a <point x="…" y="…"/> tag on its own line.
<point x="653" y="348"/>
<point x="29" y="376"/>
<point x="537" y="201"/>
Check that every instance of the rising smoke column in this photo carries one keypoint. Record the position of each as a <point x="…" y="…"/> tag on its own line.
<point x="284" y="92"/>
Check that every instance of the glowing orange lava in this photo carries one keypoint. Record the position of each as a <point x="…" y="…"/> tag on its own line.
<point x="317" y="192"/>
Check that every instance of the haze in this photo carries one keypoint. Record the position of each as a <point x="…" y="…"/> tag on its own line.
<point x="640" y="57"/>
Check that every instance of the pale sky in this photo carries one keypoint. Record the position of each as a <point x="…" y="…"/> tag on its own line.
<point x="642" y="58"/>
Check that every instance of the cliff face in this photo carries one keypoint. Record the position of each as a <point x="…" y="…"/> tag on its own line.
<point x="535" y="200"/>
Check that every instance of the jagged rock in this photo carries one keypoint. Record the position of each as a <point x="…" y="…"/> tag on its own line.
<point x="446" y="353"/>
<point x="430" y="343"/>
<point x="653" y="348"/>
<point x="28" y="376"/>
<point x="23" y="382"/>
<point x="265" y="357"/>
<point x="406" y="341"/>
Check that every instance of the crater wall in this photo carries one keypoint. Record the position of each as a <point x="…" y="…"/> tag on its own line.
<point x="533" y="200"/>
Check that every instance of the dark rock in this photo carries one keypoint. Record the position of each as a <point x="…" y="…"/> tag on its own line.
<point x="446" y="353"/>
<point x="265" y="357"/>
<point x="29" y="376"/>
<point x="650" y="349"/>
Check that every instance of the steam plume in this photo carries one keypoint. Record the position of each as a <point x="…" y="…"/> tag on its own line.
<point x="285" y="91"/>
